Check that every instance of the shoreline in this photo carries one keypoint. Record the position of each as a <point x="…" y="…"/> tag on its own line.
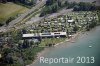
<point x="74" y="36"/>
<point x="39" y="54"/>
<point x="70" y="39"/>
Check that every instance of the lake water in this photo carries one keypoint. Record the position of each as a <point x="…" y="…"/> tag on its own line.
<point x="79" y="48"/>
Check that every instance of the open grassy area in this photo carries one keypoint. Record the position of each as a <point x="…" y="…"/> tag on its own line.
<point x="10" y="10"/>
<point x="46" y="41"/>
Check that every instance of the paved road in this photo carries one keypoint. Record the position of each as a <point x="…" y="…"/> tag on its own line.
<point x="12" y="23"/>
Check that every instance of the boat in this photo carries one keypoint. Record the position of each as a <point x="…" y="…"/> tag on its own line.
<point x="90" y="46"/>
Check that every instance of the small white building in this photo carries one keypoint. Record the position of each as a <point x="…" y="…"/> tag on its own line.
<point x="27" y="35"/>
<point x="70" y="21"/>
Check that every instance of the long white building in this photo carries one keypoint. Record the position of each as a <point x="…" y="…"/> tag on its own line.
<point x="50" y="34"/>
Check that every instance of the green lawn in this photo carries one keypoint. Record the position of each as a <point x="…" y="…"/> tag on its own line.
<point x="47" y="41"/>
<point x="10" y="10"/>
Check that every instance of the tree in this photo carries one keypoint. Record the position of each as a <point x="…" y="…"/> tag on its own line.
<point x="8" y="59"/>
<point x="83" y="6"/>
<point x="50" y="2"/>
<point x="75" y="28"/>
<point x="9" y="20"/>
<point x="92" y="25"/>
<point x="76" y="8"/>
<point x="59" y="3"/>
<point x="66" y="3"/>
<point x="6" y="56"/>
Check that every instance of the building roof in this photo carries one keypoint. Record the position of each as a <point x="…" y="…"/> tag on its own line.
<point x="44" y="34"/>
<point x="71" y="20"/>
<point x="28" y="35"/>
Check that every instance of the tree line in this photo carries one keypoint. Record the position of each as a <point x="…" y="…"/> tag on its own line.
<point x="83" y="6"/>
<point x="53" y="6"/>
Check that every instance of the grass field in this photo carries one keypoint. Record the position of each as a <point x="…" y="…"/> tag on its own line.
<point x="10" y="10"/>
<point x="46" y="41"/>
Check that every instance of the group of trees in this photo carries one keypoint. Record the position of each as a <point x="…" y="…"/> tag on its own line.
<point x="83" y="6"/>
<point x="14" y="48"/>
<point x="6" y="57"/>
<point x="9" y="20"/>
<point x="53" y="6"/>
